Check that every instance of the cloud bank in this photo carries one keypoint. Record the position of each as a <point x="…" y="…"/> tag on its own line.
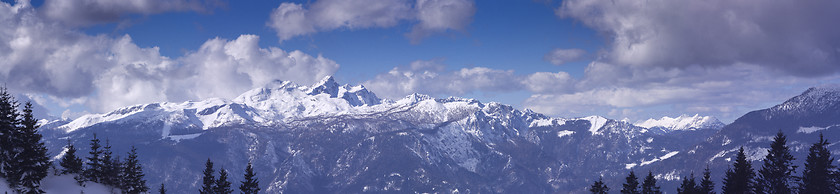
<point x="105" y="73"/>
<point x="290" y="20"/>
<point x="714" y="57"/>
<point x="87" y="12"/>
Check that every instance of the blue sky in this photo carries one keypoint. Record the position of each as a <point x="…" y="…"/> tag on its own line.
<point x="622" y="59"/>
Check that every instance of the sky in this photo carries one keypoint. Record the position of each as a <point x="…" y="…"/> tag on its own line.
<point x="622" y="59"/>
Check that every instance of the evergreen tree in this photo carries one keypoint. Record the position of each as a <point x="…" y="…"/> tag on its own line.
<point x="209" y="181"/>
<point x="598" y="187"/>
<point x="631" y="186"/>
<point x="739" y="178"/>
<point x="33" y="161"/>
<point x="819" y="174"/>
<point x="70" y="164"/>
<point x="162" y="189"/>
<point x="251" y="185"/>
<point x="688" y="186"/>
<point x="111" y="167"/>
<point x="94" y="161"/>
<point x="222" y="184"/>
<point x="707" y="186"/>
<point x="776" y="175"/>
<point x="132" y="178"/>
<point x="8" y="132"/>
<point x="649" y="185"/>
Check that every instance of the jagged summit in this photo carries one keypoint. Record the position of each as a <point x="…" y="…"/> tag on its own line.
<point x="302" y="133"/>
<point x="683" y="122"/>
<point x="816" y="99"/>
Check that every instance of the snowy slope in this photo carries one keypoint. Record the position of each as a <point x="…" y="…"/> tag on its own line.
<point x="801" y="119"/>
<point x="53" y="184"/>
<point x="336" y="138"/>
<point x="683" y="122"/>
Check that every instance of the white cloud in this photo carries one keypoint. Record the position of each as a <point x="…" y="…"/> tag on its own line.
<point x="796" y="37"/>
<point x="547" y="82"/>
<point x="222" y="68"/>
<point x="86" y="12"/>
<point x="430" y="77"/>
<point x="436" y="16"/>
<point x="561" y="56"/>
<point x="104" y="73"/>
<point x="715" y="57"/>
<point x="290" y="20"/>
<point x="639" y="93"/>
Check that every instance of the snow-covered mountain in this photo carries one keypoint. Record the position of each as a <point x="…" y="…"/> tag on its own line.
<point x="683" y="122"/>
<point x="801" y="118"/>
<point x="343" y="139"/>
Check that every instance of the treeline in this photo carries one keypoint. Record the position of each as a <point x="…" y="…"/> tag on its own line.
<point x="777" y="175"/>
<point x="23" y="157"/>
<point x="24" y="161"/>
<point x="103" y="167"/>
<point x="213" y="185"/>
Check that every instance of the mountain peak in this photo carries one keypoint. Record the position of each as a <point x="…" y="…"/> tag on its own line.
<point x="683" y="122"/>
<point x="814" y="99"/>
<point x="327" y="85"/>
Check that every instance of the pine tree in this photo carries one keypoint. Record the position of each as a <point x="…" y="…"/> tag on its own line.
<point x="70" y="164"/>
<point x="688" y="186"/>
<point x="598" y="187"/>
<point x="209" y="182"/>
<point x="739" y="178"/>
<point x="818" y="176"/>
<point x="776" y="175"/>
<point x="94" y="161"/>
<point x="632" y="184"/>
<point x="132" y="179"/>
<point x="649" y="185"/>
<point x="8" y="132"/>
<point x="111" y="167"/>
<point x="33" y="160"/>
<point x="162" y="189"/>
<point x="251" y="185"/>
<point x="222" y="184"/>
<point x="707" y="186"/>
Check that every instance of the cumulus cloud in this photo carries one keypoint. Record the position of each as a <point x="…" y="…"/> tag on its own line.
<point x="86" y="12"/>
<point x="430" y="77"/>
<point x="432" y="16"/>
<point x="715" y="57"/>
<point x="41" y="56"/>
<point x="436" y="16"/>
<point x="796" y="37"/>
<point x="560" y="56"/>
<point x="548" y="82"/>
<point x="637" y="93"/>
<point x="226" y="68"/>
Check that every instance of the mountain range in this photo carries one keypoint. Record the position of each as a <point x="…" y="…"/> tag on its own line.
<point x="332" y="138"/>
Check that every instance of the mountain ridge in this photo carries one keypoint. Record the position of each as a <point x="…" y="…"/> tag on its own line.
<point x="315" y="139"/>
